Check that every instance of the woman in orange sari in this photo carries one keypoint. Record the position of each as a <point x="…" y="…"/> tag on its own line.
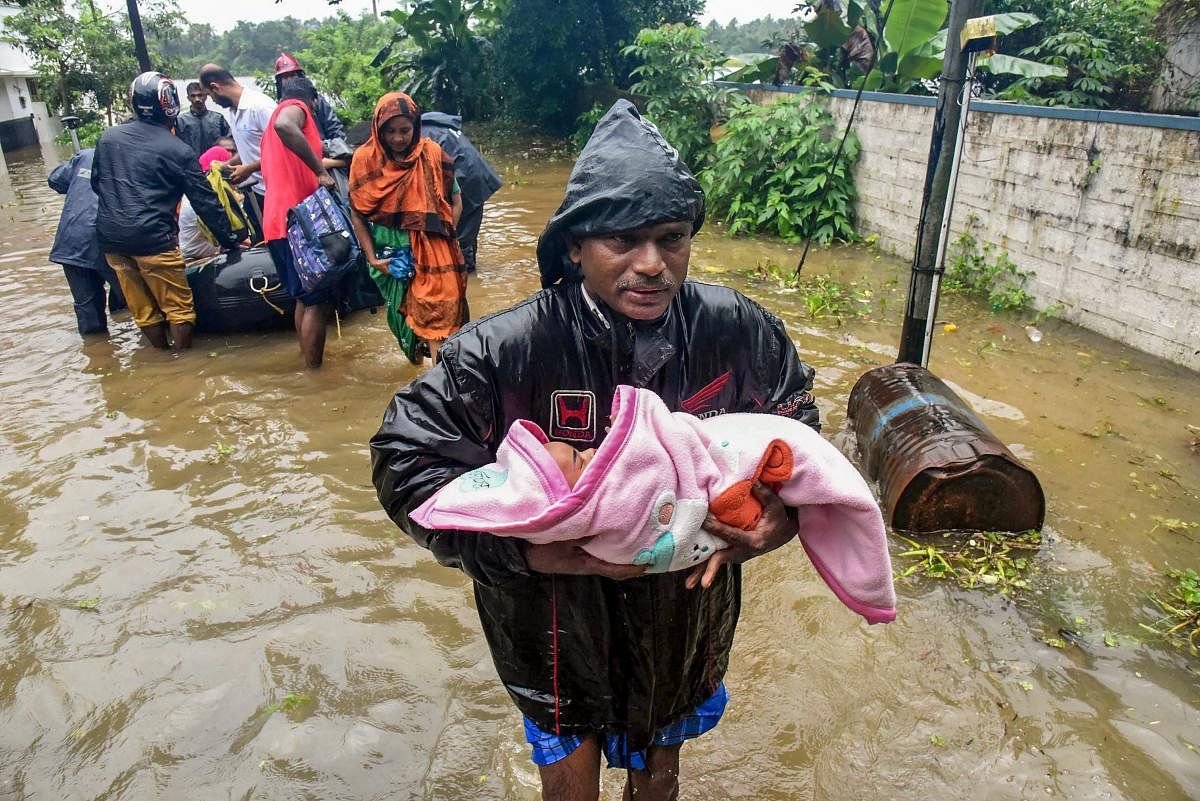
<point x="405" y="205"/>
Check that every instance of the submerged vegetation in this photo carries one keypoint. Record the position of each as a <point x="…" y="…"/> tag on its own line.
<point x="988" y="560"/>
<point x="976" y="268"/>
<point x="289" y="704"/>
<point x="821" y="295"/>
<point x="1180" y="620"/>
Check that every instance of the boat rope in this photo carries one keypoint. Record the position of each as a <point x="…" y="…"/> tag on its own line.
<point x="264" y="289"/>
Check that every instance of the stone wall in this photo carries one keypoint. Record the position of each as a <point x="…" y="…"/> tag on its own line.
<point x="1103" y="207"/>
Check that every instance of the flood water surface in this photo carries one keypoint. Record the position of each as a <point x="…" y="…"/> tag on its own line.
<point x="200" y="597"/>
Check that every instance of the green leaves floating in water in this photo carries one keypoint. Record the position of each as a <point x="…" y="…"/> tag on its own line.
<point x="220" y="452"/>
<point x="290" y="703"/>
<point x="1180" y="621"/>
<point x="986" y="559"/>
<point x="822" y="296"/>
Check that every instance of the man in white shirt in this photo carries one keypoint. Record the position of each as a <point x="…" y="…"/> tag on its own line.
<point x="250" y="111"/>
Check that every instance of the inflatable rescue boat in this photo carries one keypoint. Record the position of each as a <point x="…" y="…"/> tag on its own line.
<point x="241" y="291"/>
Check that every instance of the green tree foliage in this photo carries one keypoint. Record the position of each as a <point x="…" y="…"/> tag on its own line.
<point x="674" y="79"/>
<point x="250" y="48"/>
<point x="770" y="170"/>
<point x="556" y="57"/>
<point x="907" y="45"/>
<point x="85" y="53"/>
<point x="440" y="55"/>
<point x="197" y="44"/>
<point x="1093" y="75"/>
<point x="43" y="29"/>
<point x="1108" y="49"/>
<point x="88" y="135"/>
<point x="757" y="36"/>
<point x="338" y="59"/>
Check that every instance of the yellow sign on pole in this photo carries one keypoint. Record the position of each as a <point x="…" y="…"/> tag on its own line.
<point x="979" y="33"/>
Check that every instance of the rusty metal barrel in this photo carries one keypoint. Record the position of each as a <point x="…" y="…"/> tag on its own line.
<point x="938" y="466"/>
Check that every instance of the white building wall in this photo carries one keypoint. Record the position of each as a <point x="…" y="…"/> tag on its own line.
<point x="14" y="98"/>
<point x="7" y="93"/>
<point x="1106" y="215"/>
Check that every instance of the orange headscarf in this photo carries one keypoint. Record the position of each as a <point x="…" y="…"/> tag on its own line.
<point x="411" y="192"/>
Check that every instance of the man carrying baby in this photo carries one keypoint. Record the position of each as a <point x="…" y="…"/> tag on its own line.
<point x="600" y="658"/>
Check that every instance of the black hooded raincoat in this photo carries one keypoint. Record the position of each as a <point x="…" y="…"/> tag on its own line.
<point x="476" y="178"/>
<point x="583" y="654"/>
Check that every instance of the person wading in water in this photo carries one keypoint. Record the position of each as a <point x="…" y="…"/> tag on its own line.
<point x="600" y="658"/>
<point x="405" y="204"/>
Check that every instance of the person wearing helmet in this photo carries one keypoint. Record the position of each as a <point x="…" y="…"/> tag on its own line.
<point x="329" y="126"/>
<point x="139" y="173"/>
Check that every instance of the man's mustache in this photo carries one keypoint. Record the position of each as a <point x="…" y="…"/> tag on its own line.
<point x="662" y="282"/>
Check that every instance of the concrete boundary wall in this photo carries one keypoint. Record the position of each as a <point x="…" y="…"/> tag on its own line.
<point x="1103" y="207"/>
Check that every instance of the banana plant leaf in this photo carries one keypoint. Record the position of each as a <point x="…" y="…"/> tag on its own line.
<point x="912" y="23"/>
<point x="859" y="12"/>
<point x="828" y="29"/>
<point x="917" y="67"/>
<point x="1000" y="64"/>
<point x="935" y="47"/>
<point x="1014" y="21"/>
<point x="760" y="72"/>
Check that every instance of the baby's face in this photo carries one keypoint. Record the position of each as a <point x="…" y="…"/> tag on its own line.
<point x="569" y="460"/>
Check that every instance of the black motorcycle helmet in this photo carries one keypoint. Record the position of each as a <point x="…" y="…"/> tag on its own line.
<point x="154" y="98"/>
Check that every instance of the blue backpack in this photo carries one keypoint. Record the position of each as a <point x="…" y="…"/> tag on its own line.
<point x="322" y="242"/>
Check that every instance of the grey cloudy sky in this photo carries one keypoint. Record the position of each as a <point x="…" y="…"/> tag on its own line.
<point x="222" y="14"/>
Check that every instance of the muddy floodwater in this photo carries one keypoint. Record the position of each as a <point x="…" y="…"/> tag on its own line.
<point x="201" y="599"/>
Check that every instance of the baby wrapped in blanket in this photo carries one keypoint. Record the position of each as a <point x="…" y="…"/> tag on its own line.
<point x="642" y="497"/>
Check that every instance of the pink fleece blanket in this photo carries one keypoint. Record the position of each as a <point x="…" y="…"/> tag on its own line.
<point x="646" y="492"/>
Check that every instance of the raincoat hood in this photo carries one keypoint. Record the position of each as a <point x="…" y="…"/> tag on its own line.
<point x="442" y="119"/>
<point x="628" y="176"/>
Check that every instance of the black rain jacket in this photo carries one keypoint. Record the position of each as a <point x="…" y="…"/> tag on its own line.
<point x="75" y="238"/>
<point x="201" y="131"/>
<point x="476" y="178"/>
<point x="583" y="654"/>
<point x="139" y="173"/>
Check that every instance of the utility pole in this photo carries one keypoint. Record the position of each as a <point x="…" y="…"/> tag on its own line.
<point x="927" y="261"/>
<point x="139" y="38"/>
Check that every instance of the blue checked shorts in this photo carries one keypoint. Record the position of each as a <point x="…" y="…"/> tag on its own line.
<point x="550" y="748"/>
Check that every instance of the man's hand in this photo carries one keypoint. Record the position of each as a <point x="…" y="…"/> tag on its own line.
<point x="240" y="173"/>
<point x="568" y="558"/>
<point x="326" y="180"/>
<point x="774" y="529"/>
